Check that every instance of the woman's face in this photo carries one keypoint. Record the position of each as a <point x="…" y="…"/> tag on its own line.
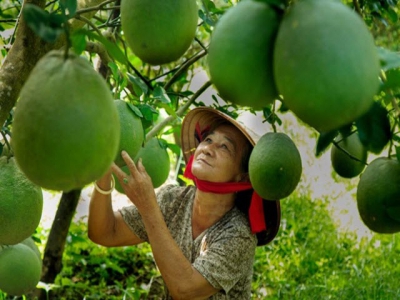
<point x="218" y="157"/>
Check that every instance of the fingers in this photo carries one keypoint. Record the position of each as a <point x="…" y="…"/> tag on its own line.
<point x="129" y="162"/>
<point x="118" y="172"/>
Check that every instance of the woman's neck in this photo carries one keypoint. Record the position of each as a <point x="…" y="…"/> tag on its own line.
<point x="208" y="209"/>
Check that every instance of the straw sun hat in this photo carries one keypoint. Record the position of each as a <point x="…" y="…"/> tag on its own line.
<point x="201" y="117"/>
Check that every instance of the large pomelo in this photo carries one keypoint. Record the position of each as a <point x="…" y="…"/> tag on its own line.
<point x="66" y="127"/>
<point x="21" y="204"/>
<point x="20" y="269"/>
<point x="240" y="54"/>
<point x="349" y="157"/>
<point x="378" y="195"/>
<point x="326" y="64"/>
<point x="132" y="134"/>
<point x="275" y="166"/>
<point x="159" y="31"/>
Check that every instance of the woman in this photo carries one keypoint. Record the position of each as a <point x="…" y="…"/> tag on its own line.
<point x="201" y="237"/>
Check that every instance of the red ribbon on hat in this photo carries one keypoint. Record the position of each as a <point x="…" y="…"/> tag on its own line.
<point x="256" y="209"/>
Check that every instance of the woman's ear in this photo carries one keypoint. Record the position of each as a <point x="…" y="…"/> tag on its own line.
<point x="244" y="177"/>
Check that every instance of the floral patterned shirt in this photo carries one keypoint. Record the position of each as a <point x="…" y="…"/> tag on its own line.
<point x="223" y="254"/>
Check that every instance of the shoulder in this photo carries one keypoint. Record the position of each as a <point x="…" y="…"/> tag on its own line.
<point x="173" y="194"/>
<point x="175" y="191"/>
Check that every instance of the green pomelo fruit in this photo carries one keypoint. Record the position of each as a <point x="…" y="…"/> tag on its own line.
<point x="132" y="134"/>
<point x="21" y="204"/>
<point x="345" y="165"/>
<point x="240" y="54"/>
<point x="378" y="195"/>
<point x="326" y="64"/>
<point x="31" y="244"/>
<point x="20" y="269"/>
<point x="66" y="126"/>
<point x="275" y="166"/>
<point x="159" y="31"/>
<point x="155" y="159"/>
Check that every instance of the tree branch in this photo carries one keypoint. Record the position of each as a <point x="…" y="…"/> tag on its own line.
<point x="183" y="68"/>
<point x="179" y="113"/>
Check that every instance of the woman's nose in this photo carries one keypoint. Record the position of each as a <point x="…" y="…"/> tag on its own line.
<point x="209" y="149"/>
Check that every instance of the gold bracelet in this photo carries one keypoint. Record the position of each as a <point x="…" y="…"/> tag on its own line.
<point x="105" y="192"/>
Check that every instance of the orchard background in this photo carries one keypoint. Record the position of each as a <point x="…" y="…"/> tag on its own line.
<point x="322" y="251"/>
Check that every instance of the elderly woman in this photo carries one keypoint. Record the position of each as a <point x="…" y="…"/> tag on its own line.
<point x="203" y="236"/>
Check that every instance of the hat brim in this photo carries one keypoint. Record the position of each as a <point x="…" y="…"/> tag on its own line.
<point x="205" y="116"/>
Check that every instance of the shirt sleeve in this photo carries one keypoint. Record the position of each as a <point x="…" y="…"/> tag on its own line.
<point x="224" y="260"/>
<point x="165" y="197"/>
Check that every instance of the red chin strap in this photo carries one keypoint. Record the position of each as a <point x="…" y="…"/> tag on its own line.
<point x="256" y="209"/>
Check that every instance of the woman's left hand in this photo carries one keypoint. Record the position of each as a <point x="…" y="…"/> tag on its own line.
<point x="137" y="185"/>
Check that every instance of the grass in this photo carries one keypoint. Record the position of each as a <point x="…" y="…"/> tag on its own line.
<point x="311" y="259"/>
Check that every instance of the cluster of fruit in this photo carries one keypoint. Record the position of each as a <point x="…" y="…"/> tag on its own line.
<point x="318" y="57"/>
<point x="21" y="209"/>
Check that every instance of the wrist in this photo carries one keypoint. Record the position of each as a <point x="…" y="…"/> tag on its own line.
<point x="105" y="188"/>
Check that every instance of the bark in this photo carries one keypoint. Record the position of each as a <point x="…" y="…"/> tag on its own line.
<point x="53" y="253"/>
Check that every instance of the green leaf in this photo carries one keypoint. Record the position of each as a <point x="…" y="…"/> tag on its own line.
<point x="394" y="212"/>
<point x="374" y="128"/>
<point x="175" y="149"/>
<point x="147" y="111"/>
<point x="114" y="70"/>
<point x="47" y="26"/>
<point x="392" y="80"/>
<point x="389" y="60"/>
<point x="135" y="110"/>
<point x="160" y="94"/>
<point x="138" y="85"/>
<point x="114" y="51"/>
<point x="324" y="141"/>
<point x="78" y="41"/>
<point x="69" y="6"/>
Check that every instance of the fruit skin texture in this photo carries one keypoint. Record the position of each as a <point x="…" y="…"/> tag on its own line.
<point x="275" y="166"/>
<point x="159" y="31"/>
<point x="31" y="244"/>
<point x="326" y="65"/>
<point x="21" y="204"/>
<point x="132" y="134"/>
<point x="20" y="269"/>
<point x="66" y="127"/>
<point x="240" y="54"/>
<point x="156" y="161"/>
<point x="378" y="195"/>
<point x="342" y="163"/>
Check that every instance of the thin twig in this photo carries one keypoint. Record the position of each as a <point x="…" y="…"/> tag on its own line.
<point x="87" y="21"/>
<point x="154" y="131"/>
<point x="93" y="8"/>
<point x="183" y="68"/>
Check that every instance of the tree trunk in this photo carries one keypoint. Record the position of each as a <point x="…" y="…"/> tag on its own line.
<point x="53" y="253"/>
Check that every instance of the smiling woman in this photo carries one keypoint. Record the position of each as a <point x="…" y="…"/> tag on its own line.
<point x="203" y="237"/>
